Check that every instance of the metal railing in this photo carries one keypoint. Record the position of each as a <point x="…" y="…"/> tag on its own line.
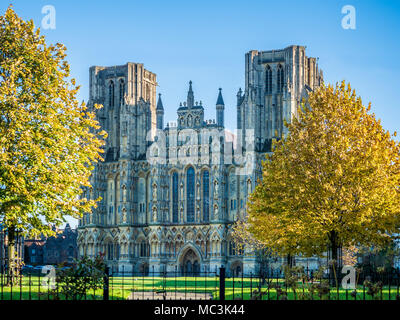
<point x="122" y="284"/>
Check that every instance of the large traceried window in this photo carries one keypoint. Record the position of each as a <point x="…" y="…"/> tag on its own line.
<point x="280" y="78"/>
<point x="206" y="196"/>
<point x="268" y="80"/>
<point x="111" y="94"/>
<point x="190" y="195"/>
<point x="175" y="197"/>
<point x="232" y="195"/>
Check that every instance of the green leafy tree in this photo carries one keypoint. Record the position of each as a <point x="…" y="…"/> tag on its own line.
<point x="49" y="141"/>
<point x="333" y="181"/>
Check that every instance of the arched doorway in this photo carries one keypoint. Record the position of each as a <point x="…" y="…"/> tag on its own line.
<point x="190" y="264"/>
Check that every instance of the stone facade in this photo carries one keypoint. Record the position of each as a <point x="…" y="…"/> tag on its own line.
<point x="171" y="194"/>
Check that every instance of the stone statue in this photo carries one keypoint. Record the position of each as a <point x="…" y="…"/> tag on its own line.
<point x="154" y="192"/>
<point x="215" y="189"/>
<point x="124" y="215"/>
<point x="124" y="193"/>
<point x="154" y="214"/>
<point x="215" y="212"/>
<point x="181" y="190"/>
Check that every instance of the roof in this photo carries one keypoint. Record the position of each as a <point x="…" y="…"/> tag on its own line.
<point x="220" y="100"/>
<point x="159" y="103"/>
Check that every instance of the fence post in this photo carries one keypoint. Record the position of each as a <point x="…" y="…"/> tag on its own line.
<point x="222" y="283"/>
<point x="106" y="287"/>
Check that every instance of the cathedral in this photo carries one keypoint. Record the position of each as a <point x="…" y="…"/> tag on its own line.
<point x="171" y="193"/>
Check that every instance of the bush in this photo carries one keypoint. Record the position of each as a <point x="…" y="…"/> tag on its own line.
<point x="85" y="277"/>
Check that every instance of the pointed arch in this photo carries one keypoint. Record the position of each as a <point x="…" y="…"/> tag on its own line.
<point x="190" y="194"/>
<point x="268" y="80"/>
<point x="205" y="180"/>
<point x="280" y="78"/>
<point x="121" y="91"/>
<point x="111" y="94"/>
<point x="175" y="196"/>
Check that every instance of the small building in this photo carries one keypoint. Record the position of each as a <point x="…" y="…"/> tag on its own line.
<point x="34" y="251"/>
<point x="61" y="248"/>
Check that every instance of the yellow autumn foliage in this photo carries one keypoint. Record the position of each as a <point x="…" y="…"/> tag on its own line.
<point x="332" y="181"/>
<point x="48" y="140"/>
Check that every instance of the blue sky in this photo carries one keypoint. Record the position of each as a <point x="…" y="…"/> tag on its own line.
<point x="205" y="41"/>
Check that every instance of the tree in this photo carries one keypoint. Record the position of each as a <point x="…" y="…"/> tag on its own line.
<point x="332" y="182"/>
<point x="49" y="141"/>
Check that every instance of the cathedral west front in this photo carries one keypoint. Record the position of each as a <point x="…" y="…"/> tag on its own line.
<point x="170" y="193"/>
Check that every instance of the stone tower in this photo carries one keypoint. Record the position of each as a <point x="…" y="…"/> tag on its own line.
<point x="128" y="96"/>
<point x="275" y="83"/>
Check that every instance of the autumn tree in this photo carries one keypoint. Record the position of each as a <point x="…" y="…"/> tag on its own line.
<point x="332" y="182"/>
<point x="49" y="141"/>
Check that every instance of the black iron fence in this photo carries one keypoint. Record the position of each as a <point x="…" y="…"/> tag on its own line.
<point x="44" y="283"/>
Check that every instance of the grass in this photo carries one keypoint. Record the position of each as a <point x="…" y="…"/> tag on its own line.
<point x="121" y="287"/>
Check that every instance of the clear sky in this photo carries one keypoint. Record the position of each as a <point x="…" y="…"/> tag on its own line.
<point x="205" y="41"/>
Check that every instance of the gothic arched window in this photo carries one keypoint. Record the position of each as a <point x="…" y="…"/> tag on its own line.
<point x="206" y="196"/>
<point x="232" y="178"/>
<point x="144" y="249"/>
<point x="268" y="80"/>
<point x="175" y="197"/>
<point x="280" y="78"/>
<point x="111" y="94"/>
<point x="190" y="195"/>
<point x="110" y="251"/>
<point x="121" y="91"/>
<point x="232" y="248"/>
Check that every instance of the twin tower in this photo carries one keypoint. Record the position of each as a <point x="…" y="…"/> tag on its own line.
<point x="275" y="83"/>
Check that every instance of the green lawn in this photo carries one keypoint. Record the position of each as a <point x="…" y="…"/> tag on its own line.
<point x="122" y="287"/>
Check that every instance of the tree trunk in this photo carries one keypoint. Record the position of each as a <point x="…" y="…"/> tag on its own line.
<point x="334" y="263"/>
<point x="289" y="260"/>
<point x="12" y="265"/>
